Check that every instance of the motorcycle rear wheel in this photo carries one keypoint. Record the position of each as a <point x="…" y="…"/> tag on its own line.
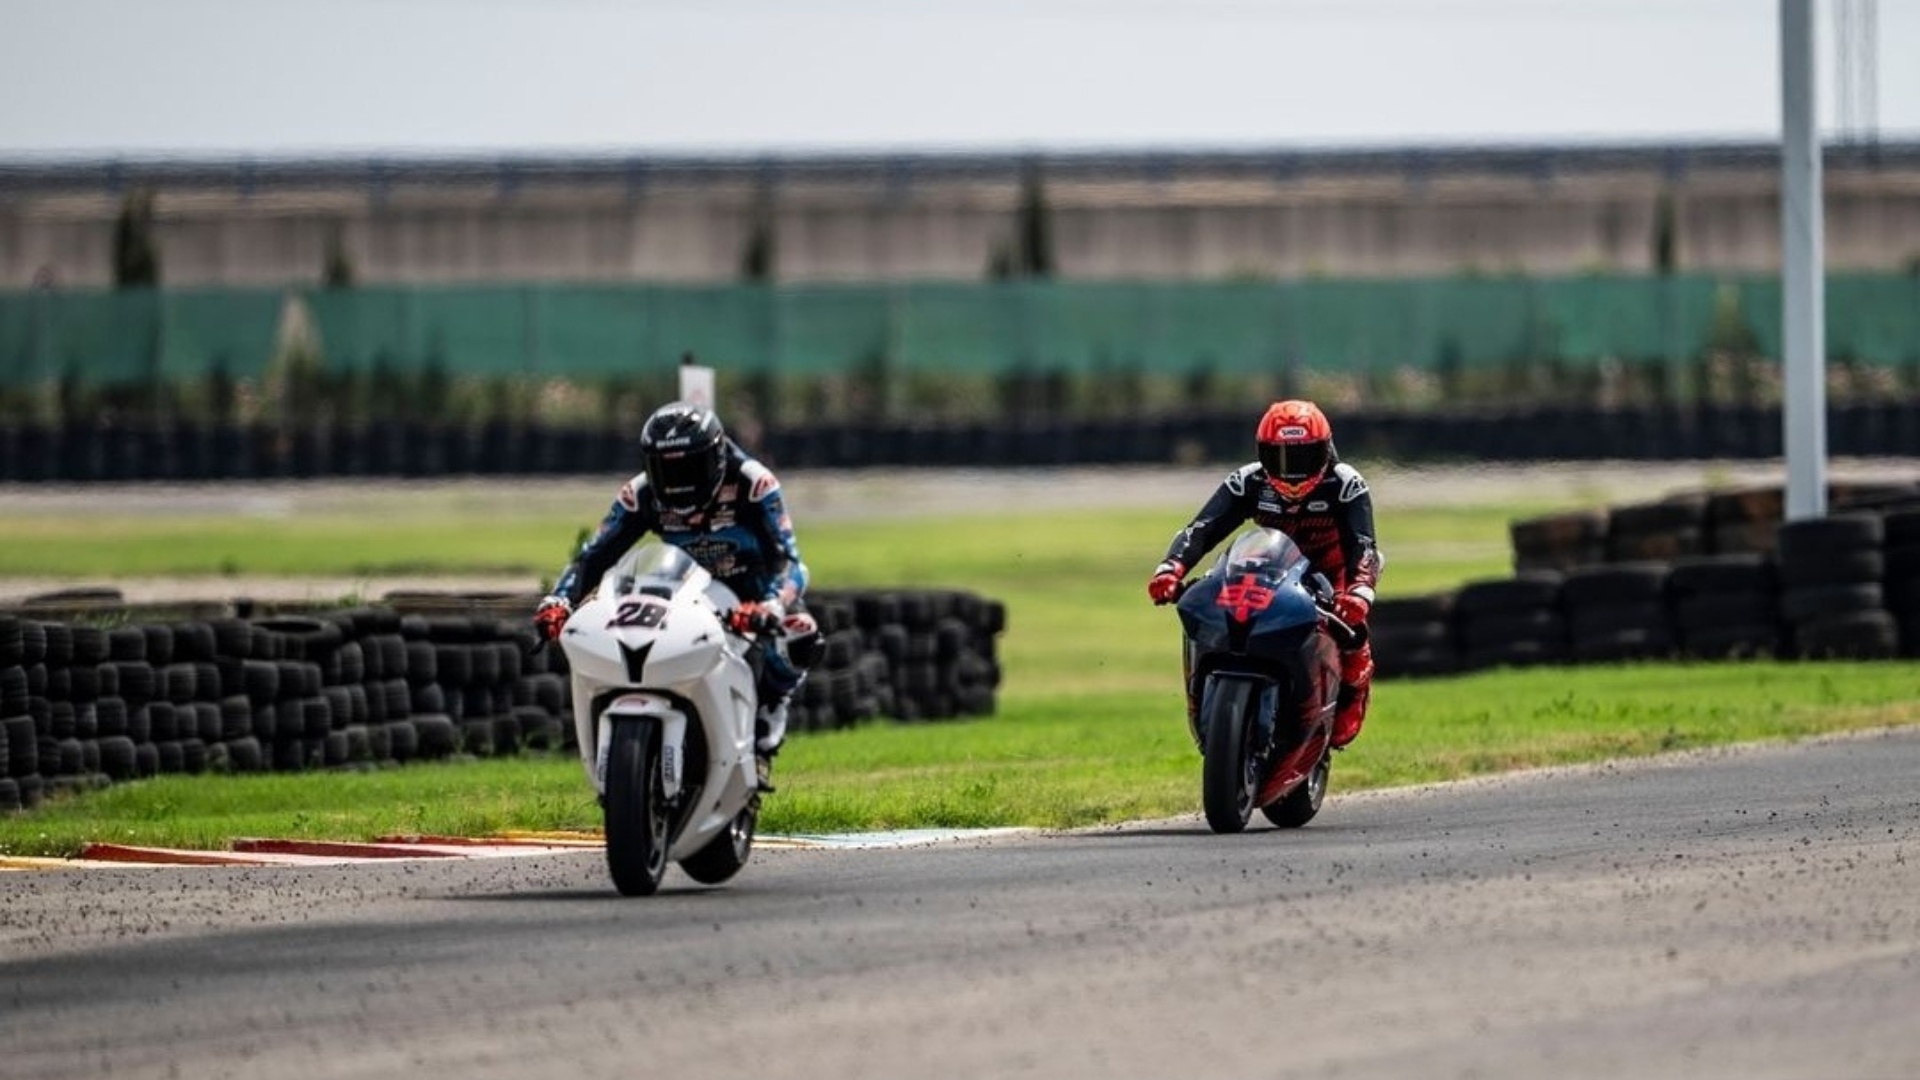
<point x="726" y="854"/>
<point x="636" y="815"/>
<point x="1303" y="802"/>
<point x="1227" y="776"/>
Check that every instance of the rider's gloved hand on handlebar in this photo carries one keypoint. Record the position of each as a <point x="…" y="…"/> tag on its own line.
<point x="1352" y="608"/>
<point x="1164" y="588"/>
<point x="756" y="618"/>
<point x="551" y="616"/>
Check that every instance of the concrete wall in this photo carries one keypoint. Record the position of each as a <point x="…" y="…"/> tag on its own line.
<point x="1203" y="217"/>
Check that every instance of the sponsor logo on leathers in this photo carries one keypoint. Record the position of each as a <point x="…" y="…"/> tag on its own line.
<point x="761" y="480"/>
<point x="1352" y="484"/>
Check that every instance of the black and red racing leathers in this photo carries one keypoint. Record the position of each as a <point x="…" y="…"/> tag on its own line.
<point x="1333" y="524"/>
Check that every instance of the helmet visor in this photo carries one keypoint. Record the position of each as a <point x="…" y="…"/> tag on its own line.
<point x="684" y="479"/>
<point x="1295" y="463"/>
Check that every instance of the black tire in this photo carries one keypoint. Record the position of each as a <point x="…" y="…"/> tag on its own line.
<point x="477" y="737"/>
<point x="1853" y="635"/>
<point x="1743" y="538"/>
<point x="1544" y="628"/>
<point x="436" y="734"/>
<point x="1303" y="802"/>
<point x="126" y="643"/>
<point x="118" y="757"/>
<point x="403" y="739"/>
<point x="1817" y="539"/>
<point x="160" y="644"/>
<point x="22" y="757"/>
<point x="1665" y="516"/>
<point x="1699" y="574"/>
<point x="1840" y="568"/>
<point x="1901" y="527"/>
<point x="1625" y="643"/>
<point x="1656" y="546"/>
<point x="1523" y="592"/>
<point x="1517" y="652"/>
<point x="636" y="816"/>
<point x="726" y="854"/>
<point x="1227" y="777"/>
<point x="1614" y="584"/>
<point x="1416" y="662"/>
<point x="1707" y="610"/>
<point x="1762" y="506"/>
<point x="1558" y="533"/>
<point x="1820" y="601"/>
<point x="1411" y="610"/>
<point x="1605" y="620"/>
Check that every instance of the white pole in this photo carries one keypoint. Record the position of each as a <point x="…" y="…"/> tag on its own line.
<point x="1802" y="286"/>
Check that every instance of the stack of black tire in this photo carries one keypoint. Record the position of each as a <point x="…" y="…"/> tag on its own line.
<point x="1654" y="531"/>
<point x="1726" y="606"/>
<point x="1743" y="522"/>
<point x="1617" y="611"/>
<point x="1509" y="622"/>
<point x="912" y="655"/>
<point x="1832" y="598"/>
<point x="1413" y="635"/>
<point x="1559" y="541"/>
<point x="1696" y="575"/>
<point x="1902" y="525"/>
<point x="82" y="706"/>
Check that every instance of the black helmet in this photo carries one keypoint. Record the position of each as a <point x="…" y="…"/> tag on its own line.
<point x="684" y="449"/>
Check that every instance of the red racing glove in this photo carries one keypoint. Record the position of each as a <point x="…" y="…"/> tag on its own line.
<point x="551" y="616"/>
<point x="1352" y="609"/>
<point x="1165" y="585"/>
<point x="751" y="618"/>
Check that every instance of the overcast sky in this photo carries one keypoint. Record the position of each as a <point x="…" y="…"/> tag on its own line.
<point x="284" y="77"/>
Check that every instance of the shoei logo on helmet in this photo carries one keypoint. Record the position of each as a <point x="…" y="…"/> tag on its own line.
<point x="1293" y="431"/>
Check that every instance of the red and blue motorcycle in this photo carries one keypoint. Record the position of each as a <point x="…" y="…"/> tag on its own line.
<point x="1263" y="661"/>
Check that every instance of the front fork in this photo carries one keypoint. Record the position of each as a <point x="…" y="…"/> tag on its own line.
<point x="1266" y="715"/>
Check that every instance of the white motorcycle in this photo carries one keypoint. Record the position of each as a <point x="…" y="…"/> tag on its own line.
<point x="663" y="704"/>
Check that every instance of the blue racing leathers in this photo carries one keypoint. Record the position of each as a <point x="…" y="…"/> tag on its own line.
<point x="744" y="538"/>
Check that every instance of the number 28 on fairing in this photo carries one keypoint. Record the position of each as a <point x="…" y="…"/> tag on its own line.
<point x="641" y="612"/>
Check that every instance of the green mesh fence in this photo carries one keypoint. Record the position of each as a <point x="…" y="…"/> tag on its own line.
<point x="597" y="331"/>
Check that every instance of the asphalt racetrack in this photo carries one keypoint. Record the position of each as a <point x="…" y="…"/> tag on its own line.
<point x="1749" y="913"/>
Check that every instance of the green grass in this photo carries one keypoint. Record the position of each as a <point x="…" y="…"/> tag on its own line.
<point x="1090" y="727"/>
<point x="1053" y="761"/>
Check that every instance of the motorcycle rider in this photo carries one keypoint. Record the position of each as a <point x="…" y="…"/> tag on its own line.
<point x="700" y="492"/>
<point x="1300" y="486"/>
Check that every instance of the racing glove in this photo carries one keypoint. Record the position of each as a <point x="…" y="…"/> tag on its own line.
<point x="756" y="618"/>
<point x="1352" y="609"/>
<point x="1165" y="586"/>
<point x="551" y="616"/>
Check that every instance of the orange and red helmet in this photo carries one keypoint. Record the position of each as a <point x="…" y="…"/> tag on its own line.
<point x="1296" y="446"/>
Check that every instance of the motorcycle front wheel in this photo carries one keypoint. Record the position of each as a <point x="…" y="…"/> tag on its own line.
<point x="1227" y="777"/>
<point x="1303" y="802"/>
<point x="636" y="816"/>
<point x="725" y="854"/>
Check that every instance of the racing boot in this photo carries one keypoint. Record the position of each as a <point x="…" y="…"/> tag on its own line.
<point x="769" y="731"/>
<point x="1356" y="687"/>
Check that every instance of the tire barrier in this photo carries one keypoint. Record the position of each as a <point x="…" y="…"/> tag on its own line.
<point x="420" y="677"/>
<point x="1695" y="576"/>
<point x="93" y="451"/>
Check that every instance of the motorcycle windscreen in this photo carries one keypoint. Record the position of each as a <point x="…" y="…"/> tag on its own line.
<point x="1268" y="554"/>
<point x="1249" y="585"/>
<point x="651" y="564"/>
